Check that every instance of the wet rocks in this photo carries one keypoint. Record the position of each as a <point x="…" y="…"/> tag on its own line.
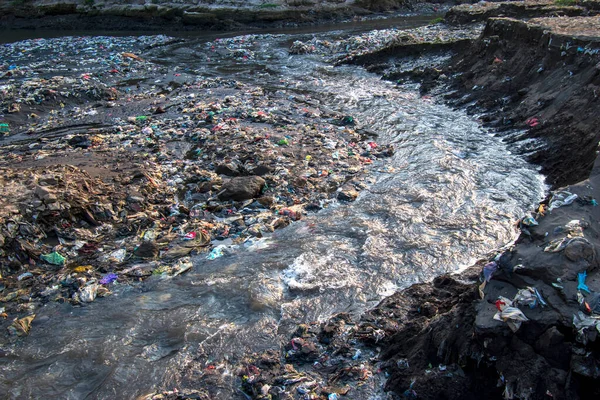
<point x="147" y="250"/>
<point x="580" y="249"/>
<point x="241" y="188"/>
<point x="228" y="169"/>
<point x="347" y="193"/>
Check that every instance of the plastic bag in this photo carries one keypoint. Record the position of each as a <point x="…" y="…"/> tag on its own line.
<point x="562" y="198"/>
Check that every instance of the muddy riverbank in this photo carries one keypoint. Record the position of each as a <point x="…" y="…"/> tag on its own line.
<point x="163" y="16"/>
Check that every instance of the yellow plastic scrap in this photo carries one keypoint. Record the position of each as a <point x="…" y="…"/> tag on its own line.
<point x="21" y="326"/>
<point x="83" y="268"/>
<point x="542" y="209"/>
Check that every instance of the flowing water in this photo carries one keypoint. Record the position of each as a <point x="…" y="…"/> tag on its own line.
<point x="449" y="195"/>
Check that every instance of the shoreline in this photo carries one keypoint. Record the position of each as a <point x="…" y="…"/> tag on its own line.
<point x="113" y="16"/>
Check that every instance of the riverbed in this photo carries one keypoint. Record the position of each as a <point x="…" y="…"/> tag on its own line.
<point x="449" y="195"/>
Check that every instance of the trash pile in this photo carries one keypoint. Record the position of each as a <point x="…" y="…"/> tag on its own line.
<point x="346" y="49"/>
<point x="134" y="179"/>
<point x="320" y="363"/>
<point x="552" y="271"/>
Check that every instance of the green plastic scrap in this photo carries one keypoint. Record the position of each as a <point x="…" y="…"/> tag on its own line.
<point x="53" y="258"/>
<point x="4" y="128"/>
<point x="141" y="118"/>
<point x="283" y="142"/>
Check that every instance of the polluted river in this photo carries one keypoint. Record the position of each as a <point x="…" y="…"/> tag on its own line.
<point x="449" y="195"/>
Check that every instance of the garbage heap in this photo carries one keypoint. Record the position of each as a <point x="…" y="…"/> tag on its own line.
<point x="112" y="181"/>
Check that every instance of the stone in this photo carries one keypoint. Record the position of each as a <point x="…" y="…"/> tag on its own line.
<point x="135" y="199"/>
<point x="579" y="249"/>
<point x="45" y="194"/>
<point x="301" y="182"/>
<point x="241" y="188"/>
<point x="266" y="201"/>
<point x="262" y="170"/>
<point x="205" y="187"/>
<point x="147" y="250"/>
<point x="229" y="169"/>
<point x="347" y="193"/>
<point x="54" y="207"/>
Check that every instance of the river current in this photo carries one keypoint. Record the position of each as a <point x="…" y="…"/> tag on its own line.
<point x="449" y="195"/>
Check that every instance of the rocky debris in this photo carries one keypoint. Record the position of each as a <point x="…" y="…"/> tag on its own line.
<point x="242" y="188"/>
<point x="299" y="47"/>
<point x="319" y="363"/>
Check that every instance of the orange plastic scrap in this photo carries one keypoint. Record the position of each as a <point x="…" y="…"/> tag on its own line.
<point x="542" y="209"/>
<point x="132" y="56"/>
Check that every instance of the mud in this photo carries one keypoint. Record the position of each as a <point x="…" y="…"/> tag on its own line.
<point x="162" y="16"/>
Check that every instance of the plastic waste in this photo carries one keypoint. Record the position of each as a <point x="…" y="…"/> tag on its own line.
<point x="560" y="199"/>
<point x="576" y="227"/>
<point x="4" y="128"/>
<point x="21" y="326"/>
<point x="489" y="269"/>
<point x="118" y="255"/>
<point x="53" y="258"/>
<point x="530" y="221"/>
<point x="190" y="236"/>
<point x="582" y="321"/>
<point x="24" y="276"/>
<point x="215" y="253"/>
<point x="581" y="282"/>
<point x="557" y="245"/>
<point x="532" y="122"/>
<point x="410" y="393"/>
<point x="595" y="304"/>
<point x="182" y="265"/>
<point x="108" y="278"/>
<point x="529" y="297"/>
<point x="82" y="268"/>
<point x="88" y="293"/>
<point x="512" y="316"/>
